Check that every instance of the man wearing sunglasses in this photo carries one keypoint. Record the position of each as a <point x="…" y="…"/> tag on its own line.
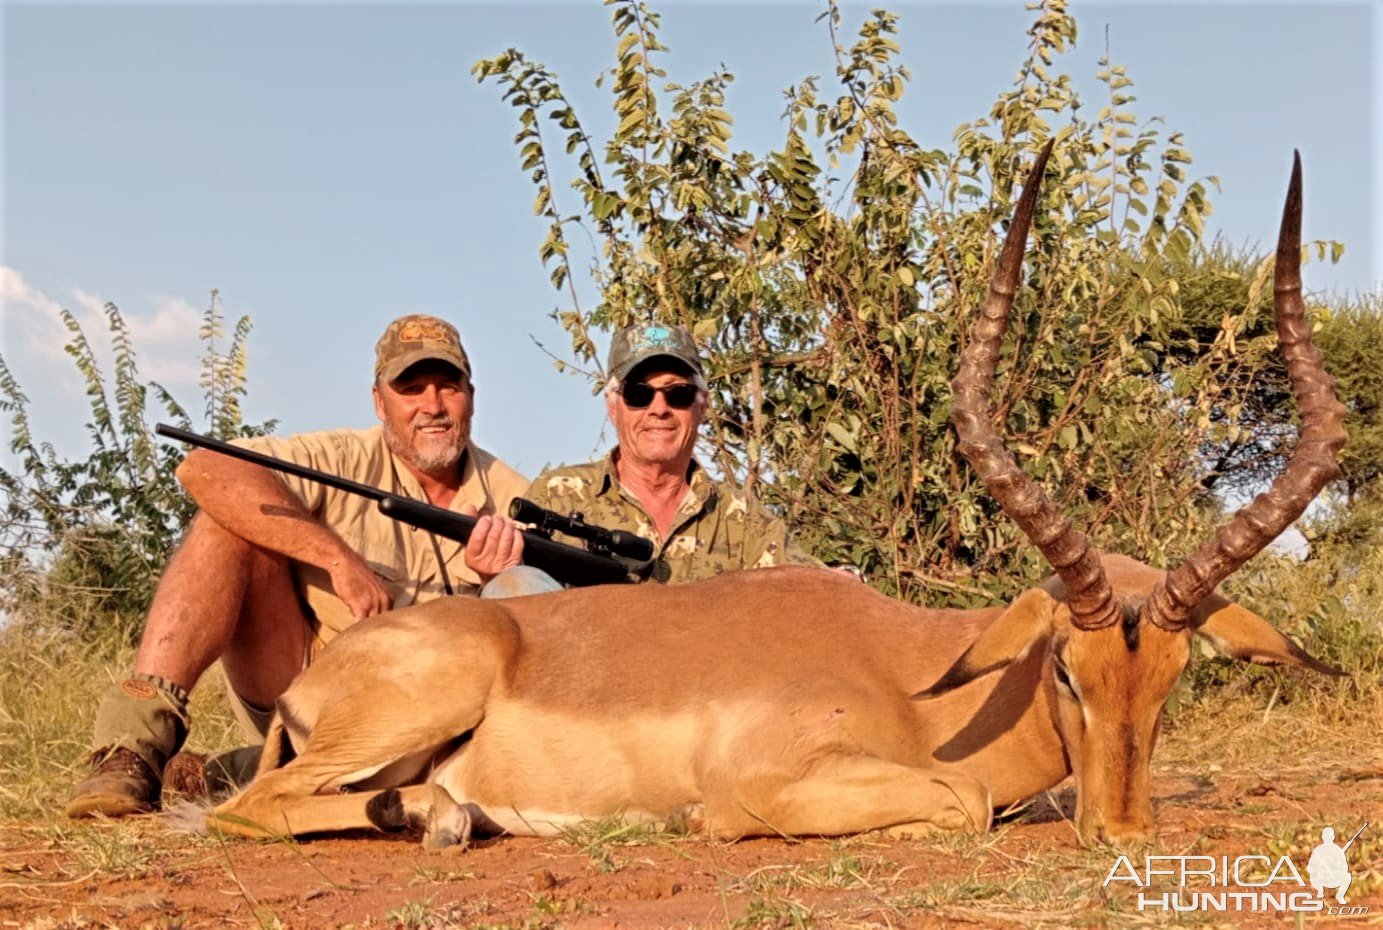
<point x="650" y="483"/>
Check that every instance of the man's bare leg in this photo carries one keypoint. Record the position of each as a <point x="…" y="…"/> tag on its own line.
<point x="219" y="597"/>
<point x="222" y="598"/>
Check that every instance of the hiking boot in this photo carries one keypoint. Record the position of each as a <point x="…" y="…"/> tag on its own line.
<point x="195" y="776"/>
<point x="120" y="784"/>
<point x="184" y="776"/>
<point x="142" y="721"/>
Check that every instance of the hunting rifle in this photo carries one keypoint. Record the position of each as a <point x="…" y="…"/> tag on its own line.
<point x="568" y="564"/>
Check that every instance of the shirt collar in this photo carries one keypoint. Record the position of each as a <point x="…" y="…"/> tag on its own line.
<point x="473" y="489"/>
<point x="702" y="487"/>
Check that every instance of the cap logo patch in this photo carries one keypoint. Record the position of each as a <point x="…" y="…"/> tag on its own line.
<point x="641" y="341"/>
<point x="653" y="337"/>
<point x="421" y="331"/>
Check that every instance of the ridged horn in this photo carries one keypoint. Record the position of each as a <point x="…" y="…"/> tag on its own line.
<point x="1089" y="596"/>
<point x="1313" y="463"/>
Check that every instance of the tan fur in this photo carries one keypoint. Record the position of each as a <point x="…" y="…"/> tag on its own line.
<point x="772" y="702"/>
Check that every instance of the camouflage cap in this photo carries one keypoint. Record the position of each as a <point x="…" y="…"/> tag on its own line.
<point x="642" y="341"/>
<point x="414" y="338"/>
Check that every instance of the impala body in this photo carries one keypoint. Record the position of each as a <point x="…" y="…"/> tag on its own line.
<point x="792" y="708"/>
<point x="792" y="701"/>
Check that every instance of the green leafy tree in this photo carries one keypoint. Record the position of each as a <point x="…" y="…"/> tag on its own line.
<point x="831" y="282"/>
<point x="1351" y="336"/>
<point x="91" y="534"/>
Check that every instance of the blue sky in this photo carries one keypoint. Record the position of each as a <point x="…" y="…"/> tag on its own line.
<point x="329" y="166"/>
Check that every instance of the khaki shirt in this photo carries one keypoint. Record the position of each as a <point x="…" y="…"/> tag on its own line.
<point x="414" y="565"/>
<point x="716" y="529"/>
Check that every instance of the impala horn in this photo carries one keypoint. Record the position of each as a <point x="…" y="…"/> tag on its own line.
<point x="1089" y="596"/>
<point x="1313" y="464"/>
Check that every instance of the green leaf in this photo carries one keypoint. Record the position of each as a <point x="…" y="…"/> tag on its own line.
<point x="841" y="435"/>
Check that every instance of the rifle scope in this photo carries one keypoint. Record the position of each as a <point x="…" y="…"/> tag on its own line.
<point x="598" y="538"/>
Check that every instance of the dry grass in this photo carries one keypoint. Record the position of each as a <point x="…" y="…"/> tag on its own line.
<point x="1239" y="732"/>
<point x="50" y="686"/>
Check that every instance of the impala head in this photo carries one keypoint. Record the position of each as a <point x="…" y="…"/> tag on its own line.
<point x="1117" y="631"/>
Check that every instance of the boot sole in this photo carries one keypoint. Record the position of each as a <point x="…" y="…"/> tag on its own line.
<point x="107" y="805"/>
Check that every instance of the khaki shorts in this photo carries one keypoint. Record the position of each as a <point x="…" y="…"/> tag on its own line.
<point x="253" y="719"/>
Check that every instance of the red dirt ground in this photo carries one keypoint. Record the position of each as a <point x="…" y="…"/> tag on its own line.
<point x="1028" y="872"/>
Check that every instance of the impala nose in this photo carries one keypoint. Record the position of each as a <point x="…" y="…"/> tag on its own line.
<point x="1127" y="833"/>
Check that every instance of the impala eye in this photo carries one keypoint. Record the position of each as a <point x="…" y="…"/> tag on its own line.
<point x="1063" y="677"/>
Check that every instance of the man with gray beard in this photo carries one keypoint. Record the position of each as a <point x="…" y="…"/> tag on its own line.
<point x="274" y="566"/>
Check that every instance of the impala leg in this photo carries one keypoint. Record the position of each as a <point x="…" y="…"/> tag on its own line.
<point x="275" y="805"/>
<point x="285" y="802"/>
<point x="843" y="793"/>
<point x="375" y="748"/>
<point x="278" y="807"/>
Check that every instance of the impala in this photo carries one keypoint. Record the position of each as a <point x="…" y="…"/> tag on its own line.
<point x="793" y="701"/>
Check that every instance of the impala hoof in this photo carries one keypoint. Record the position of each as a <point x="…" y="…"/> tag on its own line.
<point x="686" y="820"/>
<point x="448" y="827"/>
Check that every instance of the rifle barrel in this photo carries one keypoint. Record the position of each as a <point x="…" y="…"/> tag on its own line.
<point x="268" y="461"/>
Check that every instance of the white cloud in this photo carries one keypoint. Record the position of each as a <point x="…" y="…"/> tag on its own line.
<point x="163" y="333"/>
<point x="166" y="342"/>
<point x="15" y="290"/>
<point x="94" y="306"/>
<point x="164" y="336"/>
<point x="31" y="332"/>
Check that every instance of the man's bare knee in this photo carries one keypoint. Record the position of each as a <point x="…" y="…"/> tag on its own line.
<point x="272" y="633"/>
<point x="208" y="550"/>
<point x="217" y="558"/>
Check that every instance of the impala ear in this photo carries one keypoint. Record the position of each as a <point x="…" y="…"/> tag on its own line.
<point x="1026" y="622"/>
<point x="1241" y="634"/>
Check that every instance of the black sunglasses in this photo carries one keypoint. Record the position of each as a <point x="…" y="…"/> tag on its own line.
<point x="678" y="396"/>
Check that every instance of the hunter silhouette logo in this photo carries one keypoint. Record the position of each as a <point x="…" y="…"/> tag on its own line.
<point x="1328" y="867"/>
<point x="1251" y="882"/>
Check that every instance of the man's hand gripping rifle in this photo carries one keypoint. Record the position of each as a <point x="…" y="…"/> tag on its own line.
<point x="567" y="564"/>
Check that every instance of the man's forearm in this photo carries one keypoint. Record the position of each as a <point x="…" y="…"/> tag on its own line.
<point x="250" y="502"/>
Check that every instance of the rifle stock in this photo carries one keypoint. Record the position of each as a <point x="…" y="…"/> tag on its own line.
<point x="567" y="564"/>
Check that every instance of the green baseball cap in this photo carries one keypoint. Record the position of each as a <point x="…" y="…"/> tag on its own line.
<point x="642" y="341"/>
<point x="418" y="337"/>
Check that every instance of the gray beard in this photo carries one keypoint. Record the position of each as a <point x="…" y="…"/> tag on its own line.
<point x="432" y="461"/>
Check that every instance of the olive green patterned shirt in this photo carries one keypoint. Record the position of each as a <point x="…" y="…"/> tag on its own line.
<point x="716" y="529"/>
